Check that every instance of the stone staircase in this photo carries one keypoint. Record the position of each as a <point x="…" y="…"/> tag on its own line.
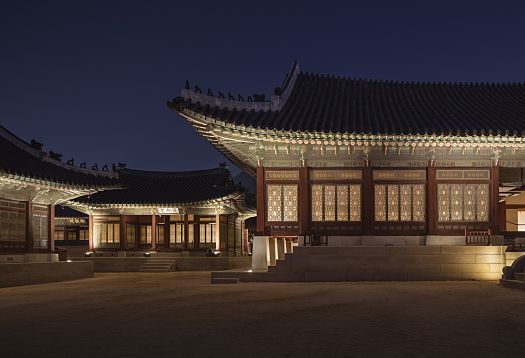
<point x="158" y="264"/>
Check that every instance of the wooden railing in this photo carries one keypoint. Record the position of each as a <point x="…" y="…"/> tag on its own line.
<point x="477" y="237"/>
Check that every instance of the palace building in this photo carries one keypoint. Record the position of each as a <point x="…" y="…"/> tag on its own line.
<point x="44" y="201"/>
<point x="374" y="162"/>
<point x="32" y="182"/>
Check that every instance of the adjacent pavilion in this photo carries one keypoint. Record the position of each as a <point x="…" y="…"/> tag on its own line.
<point x="371" y="161"/>
<point x="32" y="182"/>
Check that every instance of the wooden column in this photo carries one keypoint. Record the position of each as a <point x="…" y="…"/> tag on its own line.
<point x="261" y="210"/>
<point x="431" y="201"/>
<point x="90" y="233"/>
<point x="368" y="201"/>
<point x="196" y="231"/>
<point x="123" y="233"/>
<point x="29" y="226"/>
<point x="218" y="231"/>
<point x="304" y="202"/>
<point x="153" y="232"/>
<point x="494" y="199"/>
<point x="186" y="234"/>
<point x="167" y="228"/>
<point x="51" y="228"/>
<point x="502" y="210"/>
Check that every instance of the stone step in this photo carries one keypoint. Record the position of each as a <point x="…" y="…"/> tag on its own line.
<point x="154" y="270"/>
<point x="222" y="280"/>
<point x="516" y="284"/>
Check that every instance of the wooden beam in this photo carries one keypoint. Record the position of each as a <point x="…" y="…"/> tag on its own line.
<point x="260" y="201"/>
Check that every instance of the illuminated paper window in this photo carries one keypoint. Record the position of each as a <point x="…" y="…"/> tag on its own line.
<point x="342" y="203"/>
<point x="443" y="202"/>
<point x="393" y="202"/>
<point x="274" y="203"/>
<point x="405" y="202"/>
<point x="456" y="202"/>
<point x="290" y="202"/>
<point x="483" y="202"/>
<point x="355" y="202"/>
<point x="329" y="203"/>
<point x="380" y="202"/>
<point x="317" y="203"/>
<point x="418" y="202"/>
<point x="469" y="202"/>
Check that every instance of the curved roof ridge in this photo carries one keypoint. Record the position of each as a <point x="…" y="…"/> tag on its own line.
<point x="390" y="81"/>
<point x="129" y="171"/>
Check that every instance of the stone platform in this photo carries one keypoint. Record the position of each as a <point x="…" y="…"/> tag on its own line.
<point x="30" y="273"/>
<point x="380" y="263"/>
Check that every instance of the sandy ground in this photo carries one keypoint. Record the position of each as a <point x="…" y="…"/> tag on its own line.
<point x="181" y="314"/>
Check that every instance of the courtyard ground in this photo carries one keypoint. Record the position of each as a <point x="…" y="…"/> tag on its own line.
<point x="181" y="314"/>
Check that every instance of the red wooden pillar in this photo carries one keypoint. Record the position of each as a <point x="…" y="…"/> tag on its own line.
<point x="51" y="228"/>
<point x="196" y="231"/>
<point x="431" y="200"/>
<point x="123" y="233"/>
<point x="494" y="199"/>
<point x="186" y="233"/>
<point x="304" y="202"/>
<point x="90" y="233"/>
<point x="260" y="201"/>
<point x="167" y="228"/>
<point x="29" y="226"/>
<point x="368" y="201"/>
<point x="153" y="232"/>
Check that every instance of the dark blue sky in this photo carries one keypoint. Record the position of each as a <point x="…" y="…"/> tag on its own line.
<point x="90" y="78"/>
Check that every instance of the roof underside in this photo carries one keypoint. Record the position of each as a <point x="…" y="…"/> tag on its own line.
<point x="166" y="188"/>
<point x="320" y="103"/>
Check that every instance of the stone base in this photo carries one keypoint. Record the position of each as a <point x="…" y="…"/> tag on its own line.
<point x="29" y="257"/>
<point x="17" y="274"/>
<point x="381" y="263"/>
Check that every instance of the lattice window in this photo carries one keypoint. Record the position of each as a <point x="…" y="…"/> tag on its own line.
<point x="289" y="202"/>
<point x="443" y="202"/>
<point x="463" y="202"/>
<point x="342" y="203"/>
<point x="355" y="202"/>
<point x="469" y="202"/>
<point x="336" y="202"/>
<point x="456" y="202"/>
<point x="317" y="203"/>
<point x="329" y="203"/>
<point x="282" y="203"/>
<point x="404" y="202"/>
<point x="483" y="202"/>
<point x="274" y="202"/>
<point x="418" y="202"/>
<point x="380" y="202"/>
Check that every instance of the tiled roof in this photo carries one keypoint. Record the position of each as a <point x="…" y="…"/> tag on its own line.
<point x="346" y="105"/>
<point x="166" y="188"/>
<point x="18" y="158"/>
<point x="62" y="211"/>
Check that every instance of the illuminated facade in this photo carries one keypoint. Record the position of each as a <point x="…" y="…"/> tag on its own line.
<point x="346" y="157"/>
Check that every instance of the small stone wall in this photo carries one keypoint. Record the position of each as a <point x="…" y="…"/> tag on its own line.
<point x="362" y="263"/>
<point x="29" y="273"/>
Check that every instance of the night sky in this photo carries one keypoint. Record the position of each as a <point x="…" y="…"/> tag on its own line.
<point x="90" y="79"/>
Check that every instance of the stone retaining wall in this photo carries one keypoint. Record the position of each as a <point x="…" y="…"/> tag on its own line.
<point x="398" y="263"/>
<point x="29" y="273"/>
